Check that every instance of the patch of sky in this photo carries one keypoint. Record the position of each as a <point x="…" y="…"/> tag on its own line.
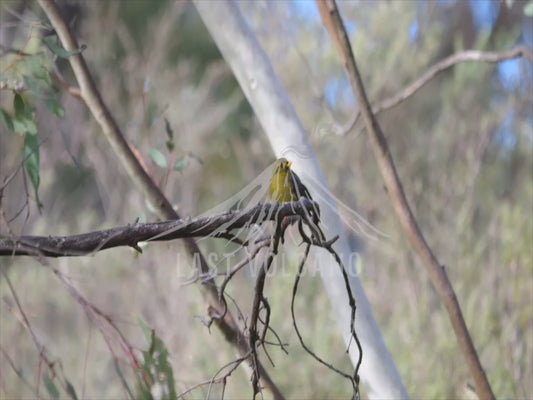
<point x="338" y="92"/>
<point x="446" y="3"/>
<point x="506" y="136"/>
<point x="510" y="73"/>
<point x="414" y="30"/>
<point x="485" y="13"/>
<point x="306" y="10"/>
<point x="331" y="91"/>
<point x="351" y="27"/>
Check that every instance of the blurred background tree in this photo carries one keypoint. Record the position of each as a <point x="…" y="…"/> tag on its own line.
<point x="463" y="146"/>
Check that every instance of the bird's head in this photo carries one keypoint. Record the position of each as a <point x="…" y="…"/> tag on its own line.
<point x="282" y="164"/>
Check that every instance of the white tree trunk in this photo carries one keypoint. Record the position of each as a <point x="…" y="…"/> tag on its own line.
<point x="288" y="138"/>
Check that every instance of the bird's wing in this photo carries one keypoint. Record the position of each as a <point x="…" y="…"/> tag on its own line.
<point x="301" y="190"/>
<point x="299" y="187"/>
<point x="314" y="220"/>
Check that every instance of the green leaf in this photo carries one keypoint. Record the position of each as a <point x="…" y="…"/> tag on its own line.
<point x="70" y="390"/>
<point x="19" y="126"/>
<point x="29" y="108"/>
<point x="34" y="85"/>
<point x="7" y="120"/>
<point x="18" y="104"/>
<point x="55" y="47"/>
<point x="25" y="125"/>
<point x="51" y="388"/>
<point x="24" y="117"/>
<point x="31" y="155"/>
<point x="181" y="164"/>
<point x="54" y="106"/>
<point x="168" y="129"/>
<point x="158" y="157"/>
<point x="170" y="145"/>
<point x="170" y="133"/>
<point x="36" y="67"/>
<point x="528" y="9"/>
<point x="147" y="332"/>
<point x="156" y="369"/>
<point x="31" y="126"/>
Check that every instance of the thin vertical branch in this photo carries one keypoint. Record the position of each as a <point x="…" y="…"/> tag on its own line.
<point x="332" y="20"/>
<point x="94" y="101"/>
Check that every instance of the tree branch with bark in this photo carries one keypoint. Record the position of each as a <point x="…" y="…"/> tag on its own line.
<point x="333" y="22"/>
<point x="219" y="225"/>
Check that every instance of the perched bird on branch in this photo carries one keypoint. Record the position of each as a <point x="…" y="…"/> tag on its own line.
<point x="286" y="186"/>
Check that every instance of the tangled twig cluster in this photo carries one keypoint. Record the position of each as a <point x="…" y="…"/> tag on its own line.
<point x="259" y="322"/>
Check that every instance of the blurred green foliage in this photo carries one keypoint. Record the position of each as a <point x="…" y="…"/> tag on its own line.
<point x="155" y="378"/>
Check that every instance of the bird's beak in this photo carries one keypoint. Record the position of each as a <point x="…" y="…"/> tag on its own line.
<point x="289" y="163"/>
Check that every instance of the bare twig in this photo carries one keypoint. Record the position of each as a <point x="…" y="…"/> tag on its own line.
<point x="260" y="300"/>
<point x="42" y="349"/>
<point x="25" y="204"/>
<point x="19" y="373"/>
<point x="214" y="379"/>
<point x="353" y="308"/>
<point x="239" y="266"/>
<point x="307" y="349"/>
<point x="328" y="246"/>
<point x="436" y="69"/>
<point x="228" y="276"/>
<point x="10" y="50"/>
<point x="333" y="22"/>
<point x="97" y="316"/>
<point x="468" y="55"/>
<point x="73" y="91"/>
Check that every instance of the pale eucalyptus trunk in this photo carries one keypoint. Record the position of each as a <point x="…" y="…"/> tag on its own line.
<point x="286" y="134"/>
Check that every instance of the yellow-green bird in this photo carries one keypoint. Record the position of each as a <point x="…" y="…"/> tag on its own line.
<point x="286" y="186"/>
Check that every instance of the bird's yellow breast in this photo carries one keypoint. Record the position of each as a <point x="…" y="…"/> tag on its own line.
<point x="281" y="187"/>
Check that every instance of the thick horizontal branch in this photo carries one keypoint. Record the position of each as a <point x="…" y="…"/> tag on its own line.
<point x="131" y="235"/>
